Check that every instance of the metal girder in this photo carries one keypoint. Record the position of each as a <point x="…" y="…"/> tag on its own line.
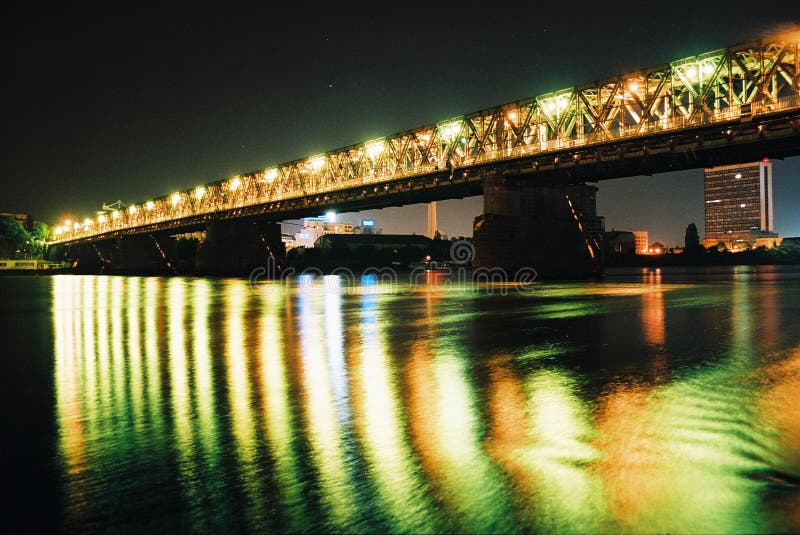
<point x="738" y="83"/>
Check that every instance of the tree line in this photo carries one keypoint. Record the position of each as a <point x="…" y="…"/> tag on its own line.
<point x="16" y="241"/>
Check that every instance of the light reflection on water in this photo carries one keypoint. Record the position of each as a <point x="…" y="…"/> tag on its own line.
<point x="648" y="405"/>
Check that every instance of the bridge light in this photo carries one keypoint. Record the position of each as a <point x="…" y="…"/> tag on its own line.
<point x="150" y="205"/>
<point x="67" y="223"/>
<point x="375" y="149"/>
<point x="271" y="175"/>
<point x="450" y="130"/>
<point x="76" y="225"/>
<point x="234" y="184"/>
<point x="115" y="214"/>
<point x="175" y="198"/>
<point x="691" y="73"/>
<point x="87" y="222"/>
<point x="58" y="230"/>
<point x="317" y="163"/>
<point x="132" y="209"/>
<point x="512" y="115"/>
<point x="708" y="68"/>
<point x="561" y="103"/>
<point x="101" y="218"/>
<point x="199" y="191"/>
<point x="633" y="87"/>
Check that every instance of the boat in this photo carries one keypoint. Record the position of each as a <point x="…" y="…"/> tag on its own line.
<point x="33" y="267"/>
<point x="432" y="265"/>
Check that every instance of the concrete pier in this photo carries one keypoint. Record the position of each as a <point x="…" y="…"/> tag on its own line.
<point x="237" y="247"/>
<point x="552" y="228"/>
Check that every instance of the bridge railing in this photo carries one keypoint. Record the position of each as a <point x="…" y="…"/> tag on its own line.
<point x="747" y="80"/>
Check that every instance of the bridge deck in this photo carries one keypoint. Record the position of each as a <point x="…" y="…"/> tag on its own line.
<point x="718" y="107"/>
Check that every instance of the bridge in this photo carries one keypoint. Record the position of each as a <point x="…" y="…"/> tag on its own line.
<point x="530" y="159"/>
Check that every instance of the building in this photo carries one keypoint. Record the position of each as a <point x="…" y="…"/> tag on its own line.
<point x="739" y="206"/>
<point x="316" y="227"/>
<point x="362" y="251"/>
<point x="369" y="244"/>
<point x="642" y="238"/>
<point x="620" y="242"/>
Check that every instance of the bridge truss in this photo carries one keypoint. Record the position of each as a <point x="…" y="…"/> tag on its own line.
<point x="739" y="84"/>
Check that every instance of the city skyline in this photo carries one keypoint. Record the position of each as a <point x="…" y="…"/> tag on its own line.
<point x="141" y="131"/>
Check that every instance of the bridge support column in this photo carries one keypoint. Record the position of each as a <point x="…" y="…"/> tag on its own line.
<point x="90" y="258"/>
<point x="142" y="254"/>
<point x="552" y="228"/>
<point x="238" y="247"/>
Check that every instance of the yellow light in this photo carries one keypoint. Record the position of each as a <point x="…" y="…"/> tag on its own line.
<point x="375" y="149"/>
<point x="691" y="73"/>
<point x="76" y="225"/>
<point x="58" y="230"/>
<point x="87" y="222"/>
<point x="270" y="175"/>
<point x="450" y="130"/>
<point x="67" y="223"/>
<point x="633" y="86"/>
<point x="150" y="205"/>
<point x="175" y="198"/>
<point x="115" y="214"/>
<point x="512" y="115"/>
<point x="235" y="183"/>
<point x="199" y="191"/>
<point x="101" y="218"/>
<point x="708" y="68"/>
<point x="317" y="163"/>
<point x="132" y="209"/>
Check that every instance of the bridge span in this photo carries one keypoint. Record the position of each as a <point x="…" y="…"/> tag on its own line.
<point x="530" y="159"/>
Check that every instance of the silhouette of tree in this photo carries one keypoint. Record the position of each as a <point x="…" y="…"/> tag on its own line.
<point x="691" y="239"/>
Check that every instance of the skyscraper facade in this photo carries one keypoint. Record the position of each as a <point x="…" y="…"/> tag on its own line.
<point x="738" y="206"/>
<point x="642" y="241"/>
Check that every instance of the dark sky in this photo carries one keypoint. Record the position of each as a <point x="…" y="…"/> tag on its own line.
<point x="105" y="103"/>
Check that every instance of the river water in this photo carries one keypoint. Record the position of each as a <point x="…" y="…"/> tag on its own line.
<point x="650" y="402"/>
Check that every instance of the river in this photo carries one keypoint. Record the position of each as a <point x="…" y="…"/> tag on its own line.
<point x="653" y="401"/>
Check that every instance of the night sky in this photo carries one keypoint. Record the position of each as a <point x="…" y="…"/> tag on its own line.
<point x="102" y="103"/>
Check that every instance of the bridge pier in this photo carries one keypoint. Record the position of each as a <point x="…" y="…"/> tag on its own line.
<point x="142" y="254"/>
<point x="236" y="247"/>
<point x="552" y="228"/>
<point x="89" y="258"/>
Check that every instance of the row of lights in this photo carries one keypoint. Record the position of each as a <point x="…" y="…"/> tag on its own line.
<point x="373" y="149"/>
<point x="199" y="192"/>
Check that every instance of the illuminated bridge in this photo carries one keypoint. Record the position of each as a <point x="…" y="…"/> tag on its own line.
<point x="530" y="159"/>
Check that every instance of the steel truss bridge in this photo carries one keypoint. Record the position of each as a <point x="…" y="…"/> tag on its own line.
<point x="725" y="106"/>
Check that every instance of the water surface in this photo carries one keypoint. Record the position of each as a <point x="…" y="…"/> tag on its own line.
<point x="650" y="402"/>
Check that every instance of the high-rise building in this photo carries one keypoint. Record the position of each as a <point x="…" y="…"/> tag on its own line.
<point x="738" y="206"/>
<point x="642" y="241"/>
<point x="433" y="224"/>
